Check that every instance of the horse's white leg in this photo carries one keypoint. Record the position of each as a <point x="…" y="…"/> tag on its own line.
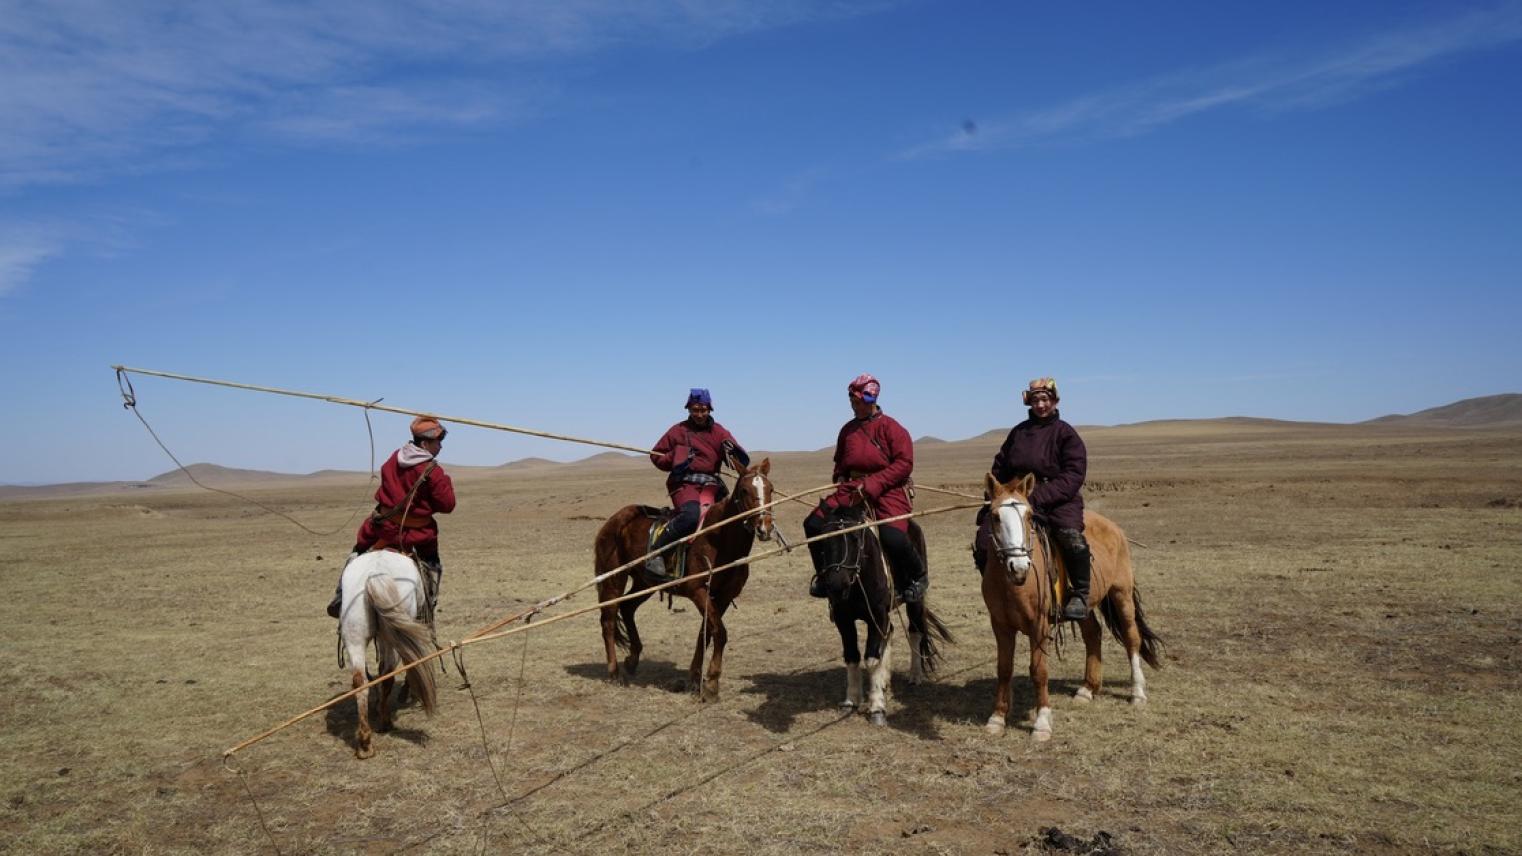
<point x="1138" y="681"/>
<point x="363" y="747"/>
<point x="1093" y="666"/>
<point x="881" y="671"/>
<point x="853" y="687"/>
<point x="1043" y="728"/>
<point x="916" y="660"/>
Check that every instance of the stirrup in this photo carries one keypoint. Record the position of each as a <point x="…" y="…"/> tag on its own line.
<point x="1076" y="609"/>
<point x="655" y="567"/>
<point x="915" y="591"/>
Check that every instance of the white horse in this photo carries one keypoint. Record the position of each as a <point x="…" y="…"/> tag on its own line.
<point x="382" y="600"/>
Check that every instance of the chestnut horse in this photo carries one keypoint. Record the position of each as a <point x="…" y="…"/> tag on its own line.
<point x="382" y="600"/>
<point x="1017" y="587"/>
<point x="626" y="537"/>
<point x="854" y="575"/>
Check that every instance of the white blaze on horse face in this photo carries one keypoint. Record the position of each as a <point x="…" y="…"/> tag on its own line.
<point x="1009" y="533"/>
<point x="765" y="526"/>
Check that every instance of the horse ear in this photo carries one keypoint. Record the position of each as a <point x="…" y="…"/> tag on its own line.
<point x="990" y="485"/>
<point x="765" y="467"/>
<point x="1028" y="484"/>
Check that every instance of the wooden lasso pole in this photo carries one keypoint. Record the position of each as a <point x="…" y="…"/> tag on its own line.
<point x="645" y="592"/>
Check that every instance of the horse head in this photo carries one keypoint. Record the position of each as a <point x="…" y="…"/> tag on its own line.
<point x="754" y="490"/>
<point x="841" y="557"/>
<point x="1012" y="532"/>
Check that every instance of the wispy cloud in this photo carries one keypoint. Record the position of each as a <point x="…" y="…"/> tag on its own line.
<point x="98" y="87"/>
<point x="1267" y="82"/>
<point x="22" y="249"/>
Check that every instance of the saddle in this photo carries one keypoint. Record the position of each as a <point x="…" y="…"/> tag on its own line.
<point x="660" y="518"/>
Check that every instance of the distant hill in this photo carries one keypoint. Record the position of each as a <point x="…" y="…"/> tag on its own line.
<point x="215" y="474"/>
<point x="1489" y="411"/>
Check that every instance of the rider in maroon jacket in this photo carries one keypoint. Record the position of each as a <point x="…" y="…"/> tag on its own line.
<point x="874" y="457"/>
<point x="691" y="451"/>
<point x="1051" y="450"/>
<point x="413" y="488"/>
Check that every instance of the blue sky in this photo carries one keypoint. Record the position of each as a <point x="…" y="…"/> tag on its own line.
<point x="561" y="215"/>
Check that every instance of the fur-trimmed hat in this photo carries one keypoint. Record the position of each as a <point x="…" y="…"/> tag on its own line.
<point x="1040" y="384"/>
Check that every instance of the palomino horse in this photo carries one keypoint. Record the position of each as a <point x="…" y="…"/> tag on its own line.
<point x="382" y="598"/>
<point x="1017" y="587"/>
<point x="855" y="578"/>
<point x="626" y="536"/>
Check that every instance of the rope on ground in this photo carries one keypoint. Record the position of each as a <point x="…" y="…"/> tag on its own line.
<point x="243" y="779"/>
<point x="129" y="401"/>
<point x="645" y="592"/>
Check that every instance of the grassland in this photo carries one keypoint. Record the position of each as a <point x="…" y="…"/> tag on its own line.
<point x="1343" y="672"/>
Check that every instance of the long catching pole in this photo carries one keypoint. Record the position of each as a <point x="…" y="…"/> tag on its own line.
<point x="374" y="405"/>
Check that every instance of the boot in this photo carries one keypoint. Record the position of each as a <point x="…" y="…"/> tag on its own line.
<point x="655" y="568"/>
<point x="336" y="604"/>
<point x="1078" y="560"/>
<point x="914" y="592"/>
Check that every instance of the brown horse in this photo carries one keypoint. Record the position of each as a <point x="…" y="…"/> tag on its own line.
<point x="626" y="537"/>
<point x="1017" y="587"/>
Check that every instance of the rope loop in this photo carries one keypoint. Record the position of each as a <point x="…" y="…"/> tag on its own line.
<point x="124" y="385"/>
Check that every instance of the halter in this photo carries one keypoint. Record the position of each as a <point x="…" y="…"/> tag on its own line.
<point x="1022" y="552"/>
<point x="855" y="548"/>
<point x="753" y="523"/>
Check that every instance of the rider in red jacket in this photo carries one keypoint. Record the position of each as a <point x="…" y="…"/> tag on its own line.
<point x="691" y="451"/>
<point x="413" y="488"/>
<point x="874" y="457"/>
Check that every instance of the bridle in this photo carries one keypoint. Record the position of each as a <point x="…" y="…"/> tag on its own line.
<point x="855" y="548"/>
<point x="754" y="523"/>
<point x="1022" y="509"/>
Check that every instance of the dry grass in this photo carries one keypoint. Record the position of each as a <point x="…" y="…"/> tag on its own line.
<point x="1342" y="674"/>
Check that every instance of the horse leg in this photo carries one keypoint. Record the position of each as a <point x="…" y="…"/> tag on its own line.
<point x="1041" y="731"/>
<point x="362" y="735"/>
<point x="1093" y="667"/>
<point x="851" y="654"/>
<point x="1125" y="612"/>
<point x="879" y="669"/>
<point x="720" y="635"/>
<point x="626" y="611"/>
<point x="1005" y="638"/>
<point x="916" y="641"/>
<point x="608" y="617"/>
<point x="701" y="600"/>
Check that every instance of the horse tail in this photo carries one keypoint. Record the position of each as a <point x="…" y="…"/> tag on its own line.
<point x="1151" y="643"/>
<point x="605" y="558"/>
<point x="402" y="636"/>
<point x="932" y="631"/>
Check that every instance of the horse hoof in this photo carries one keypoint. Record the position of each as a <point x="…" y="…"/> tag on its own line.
<point x="1041" y="736"/>
<point x="631" y="665"/>
<point x="710" y="692"/>
<point x="1139" y="700"/>
<point x="847" y="707"/>
<point x="995" y="726"/>
<point x="878" y="717"/>
<point x="364" y="752"/>
<point x="1083" y="696"/>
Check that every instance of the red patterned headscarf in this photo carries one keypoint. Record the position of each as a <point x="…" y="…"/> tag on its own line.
<point x="865" y="387"/>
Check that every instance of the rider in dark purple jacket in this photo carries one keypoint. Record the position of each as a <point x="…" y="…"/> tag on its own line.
<point x="1049" y="449"/>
